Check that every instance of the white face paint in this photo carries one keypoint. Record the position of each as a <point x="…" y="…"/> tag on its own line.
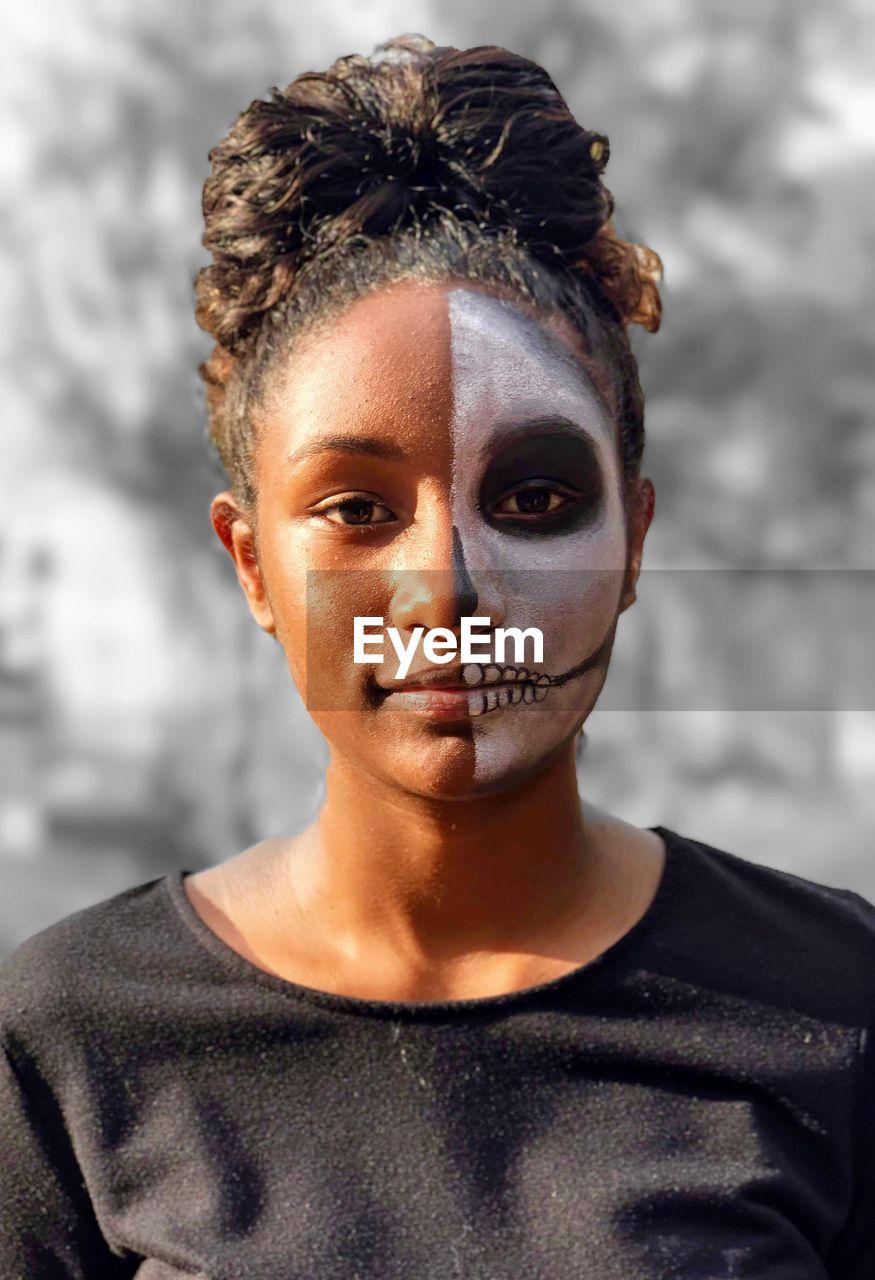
<point x="560" y="571"/>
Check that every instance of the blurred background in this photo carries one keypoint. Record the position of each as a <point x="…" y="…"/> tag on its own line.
<point x="146" y="723"/>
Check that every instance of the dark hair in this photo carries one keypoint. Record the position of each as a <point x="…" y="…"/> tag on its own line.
<point x="418" y="162"/>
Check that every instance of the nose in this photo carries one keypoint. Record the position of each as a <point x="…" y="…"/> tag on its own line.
<point x="432" y="583"/>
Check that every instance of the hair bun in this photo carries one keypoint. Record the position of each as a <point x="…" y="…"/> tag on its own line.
<point x="415" y="133"/>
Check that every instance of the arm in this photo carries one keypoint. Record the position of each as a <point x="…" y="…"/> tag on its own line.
<point x="48" y="1229"/>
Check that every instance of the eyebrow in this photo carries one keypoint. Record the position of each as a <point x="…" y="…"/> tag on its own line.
<point x="370" y="445"/>
<point x="507" y="432"/>
<point x="517" y="430"/>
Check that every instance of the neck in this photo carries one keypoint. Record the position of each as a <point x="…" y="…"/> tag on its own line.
<point x="434" y="878"/>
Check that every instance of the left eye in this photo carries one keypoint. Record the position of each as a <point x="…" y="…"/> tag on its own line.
<point x="533" y="500"/>
<point x="357" y="509"/>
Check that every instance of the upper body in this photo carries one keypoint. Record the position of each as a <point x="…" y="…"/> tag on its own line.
<point x="697" y="1101"/>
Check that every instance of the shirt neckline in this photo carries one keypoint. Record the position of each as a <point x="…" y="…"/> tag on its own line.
<point x="245" y="969"/>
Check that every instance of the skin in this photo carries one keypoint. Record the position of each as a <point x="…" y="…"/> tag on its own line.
<point x="426" y="875"/>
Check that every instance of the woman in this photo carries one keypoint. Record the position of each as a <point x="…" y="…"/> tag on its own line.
<point x="465" y="1024"/>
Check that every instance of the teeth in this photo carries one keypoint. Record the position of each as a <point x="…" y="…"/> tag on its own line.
<point x="488" y="702"/>
<point x="522" y="686"/>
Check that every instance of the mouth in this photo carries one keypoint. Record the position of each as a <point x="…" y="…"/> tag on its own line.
<point x="460" y="693"/>
<point x="475" y="689"/>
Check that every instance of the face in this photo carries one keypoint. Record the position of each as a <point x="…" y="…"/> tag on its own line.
<point x="438" y="452"/>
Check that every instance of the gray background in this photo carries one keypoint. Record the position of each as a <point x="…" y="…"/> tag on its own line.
<point x="146" y="722"/>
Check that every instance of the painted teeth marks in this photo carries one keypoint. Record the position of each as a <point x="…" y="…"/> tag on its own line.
<point x="521" y="686"/>
<point x="476" y="673"/>
<point x="508" y="695"/>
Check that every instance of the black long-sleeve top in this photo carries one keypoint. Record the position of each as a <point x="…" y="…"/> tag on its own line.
<point x="698" y="1102"/>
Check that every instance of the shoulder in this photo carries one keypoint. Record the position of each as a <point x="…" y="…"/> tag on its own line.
<point x="66" y="979"/>
<point x="798" y="940"/>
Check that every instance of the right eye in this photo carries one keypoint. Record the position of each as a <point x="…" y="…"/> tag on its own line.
<point x="357" y="510"/>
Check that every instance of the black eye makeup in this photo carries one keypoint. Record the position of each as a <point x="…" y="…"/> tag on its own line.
<point x="548" y="482"/>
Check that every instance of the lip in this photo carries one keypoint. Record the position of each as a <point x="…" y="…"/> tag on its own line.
<point x="435" y="694"/>
<point x="428" y="678"/>
<point x="438" y="703"/>
<point x="454" y="678"/>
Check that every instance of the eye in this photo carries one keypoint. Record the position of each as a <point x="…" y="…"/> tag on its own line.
<point x="534" y="500"/>
<point x="355" y="511"/>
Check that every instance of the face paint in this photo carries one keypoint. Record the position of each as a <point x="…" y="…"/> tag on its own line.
<point x="527" y="427"/>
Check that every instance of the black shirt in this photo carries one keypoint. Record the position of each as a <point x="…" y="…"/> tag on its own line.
<point x="697" y="1102"/>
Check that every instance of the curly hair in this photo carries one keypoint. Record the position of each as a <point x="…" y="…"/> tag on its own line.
<point x="418" y="162"/>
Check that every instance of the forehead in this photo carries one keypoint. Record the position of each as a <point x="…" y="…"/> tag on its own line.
<point x="501" y="350"/>
<point x="419" y="355"/>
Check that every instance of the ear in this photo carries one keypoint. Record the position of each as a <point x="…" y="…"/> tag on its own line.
<point x="642" y="503"/>
<point x="238" y="536"/>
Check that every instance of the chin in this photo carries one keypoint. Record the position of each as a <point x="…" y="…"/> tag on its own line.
<point x="446" y="768"/>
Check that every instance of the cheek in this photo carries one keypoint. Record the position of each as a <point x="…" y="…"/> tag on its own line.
<point x="574" y="610"/>
<point x="322" y="634"/>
